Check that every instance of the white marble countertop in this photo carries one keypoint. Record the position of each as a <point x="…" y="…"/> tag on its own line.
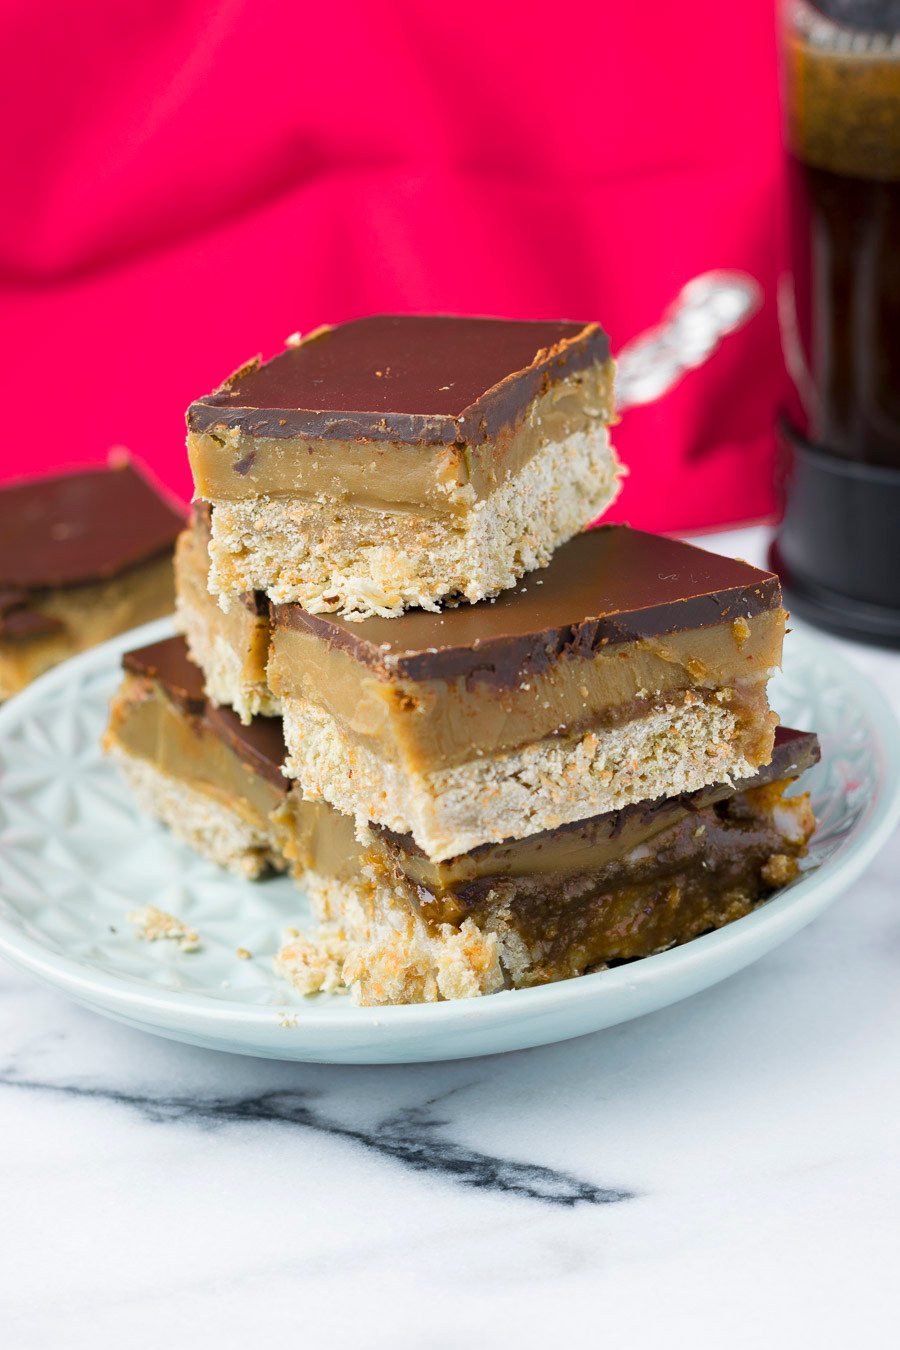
<point x="725" y="1173"/>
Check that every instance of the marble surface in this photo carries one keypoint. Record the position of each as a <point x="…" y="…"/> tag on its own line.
<point x="725" y="1173"/>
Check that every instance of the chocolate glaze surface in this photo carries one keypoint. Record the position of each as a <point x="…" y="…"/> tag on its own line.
<point x="81" y="527"/>
<point x="167" y="663"/>
<point x="611" y="584"/>
<point x="429" y="379"/>
<point x="19" y="622"/>
<point x="260" y="745"/>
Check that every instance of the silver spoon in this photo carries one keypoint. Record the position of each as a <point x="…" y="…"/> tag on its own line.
<point x="705" y="311"/>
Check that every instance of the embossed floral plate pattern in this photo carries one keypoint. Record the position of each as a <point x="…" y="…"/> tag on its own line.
<point x="76" y="856"/>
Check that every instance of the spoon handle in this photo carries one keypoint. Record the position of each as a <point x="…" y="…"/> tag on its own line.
<point x="705" y="311"/>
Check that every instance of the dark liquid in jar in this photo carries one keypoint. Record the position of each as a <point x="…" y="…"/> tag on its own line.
<point x="844" y="163"/>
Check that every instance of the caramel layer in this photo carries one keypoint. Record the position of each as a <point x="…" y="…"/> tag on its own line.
<point x="316" y="838"/>
<point x="161" y="716"/>
<point x="704" y="870"/>
<point x="432" y="724"/>
<point x="694" y="887"/>
<point x="146" y="723"/>
<point x="54" y="625"/>
<point x="607" y="586"/>
<point x="230" y="463"/>
<point x="554" y="857"/>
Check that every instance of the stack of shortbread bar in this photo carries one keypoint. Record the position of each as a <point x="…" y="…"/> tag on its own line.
<point x="495" y="747"/>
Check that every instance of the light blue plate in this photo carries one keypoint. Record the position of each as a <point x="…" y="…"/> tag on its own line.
<point x="76" y="856"/>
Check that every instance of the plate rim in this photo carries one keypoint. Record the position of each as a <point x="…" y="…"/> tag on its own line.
<point x="120" y="996"/>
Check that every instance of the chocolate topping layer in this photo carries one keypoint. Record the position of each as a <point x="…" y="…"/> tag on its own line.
<point x="19" y="622"/>
<point x="260" y="745"/>
<point x="80" y="528"/>
<point x="609" y="585"/>
<point x="433" y="379"/>
<point x="167" y="663"/>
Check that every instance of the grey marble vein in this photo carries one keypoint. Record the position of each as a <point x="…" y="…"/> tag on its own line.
<point x="411" y="1137"/>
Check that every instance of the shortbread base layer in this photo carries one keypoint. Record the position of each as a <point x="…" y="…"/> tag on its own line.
<point x="225" y="680"/>
<point x="204" y="823"/>
<point x="370" y="941"/>
<point x="372" y="937"/>
<point x="358" y="561"/>
<point x="687" y="744"/>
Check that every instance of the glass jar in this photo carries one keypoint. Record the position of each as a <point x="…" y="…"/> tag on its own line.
<point x="838" y="546"/>
<point x="841" y="71"/>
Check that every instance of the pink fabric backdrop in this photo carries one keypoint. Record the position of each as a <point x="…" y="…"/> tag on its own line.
<point x="185" y="184"/>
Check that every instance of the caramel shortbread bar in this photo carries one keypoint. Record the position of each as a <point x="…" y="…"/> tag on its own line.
<point x="633" y="667"/>
<point x="394" y="462"/>
<point x="524" y="912"/>
<point x="83" y="556"/>
<point x="230" y="647"/>
<point x="216" y="782"/>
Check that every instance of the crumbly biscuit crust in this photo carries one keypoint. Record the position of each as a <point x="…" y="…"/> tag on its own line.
<point x="677" y="748"/>
<point x="358" y="561"/>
